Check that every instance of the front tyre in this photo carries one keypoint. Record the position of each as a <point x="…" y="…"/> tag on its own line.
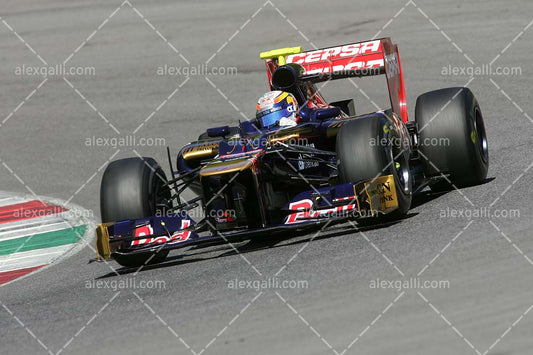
<point x="452" y="137"/>
<point x="370" y="147"/>
<point x="131" y="188"/>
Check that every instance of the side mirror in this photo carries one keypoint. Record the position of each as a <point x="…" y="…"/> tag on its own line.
<point x="218" y="131"/>
<point x="325" y="113"/>
<point x="347" y="106"/>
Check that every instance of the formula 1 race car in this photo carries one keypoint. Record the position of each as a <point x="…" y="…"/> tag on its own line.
<point x="257" y="179"/>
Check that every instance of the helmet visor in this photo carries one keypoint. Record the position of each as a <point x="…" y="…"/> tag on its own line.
<point x="272" y="118"/>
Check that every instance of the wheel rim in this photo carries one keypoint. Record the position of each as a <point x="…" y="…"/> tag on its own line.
<point x="401" y="165"/>
<point x="160" y="194"/>
<point x="481" y="137"/>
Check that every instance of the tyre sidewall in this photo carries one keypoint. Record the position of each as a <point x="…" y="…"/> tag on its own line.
<point x="364" y="148"/>
<point x="450" y="114"/>
<point x="128" y="191"/>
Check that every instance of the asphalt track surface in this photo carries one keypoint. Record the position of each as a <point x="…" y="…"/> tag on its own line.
<point x="486" y="260"/>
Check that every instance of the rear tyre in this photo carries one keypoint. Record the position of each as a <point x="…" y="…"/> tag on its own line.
<point x="366" y="151"/>
<point x="131" y="189"/>
<point x="452" y="137"/>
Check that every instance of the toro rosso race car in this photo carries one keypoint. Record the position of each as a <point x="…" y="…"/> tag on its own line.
<point x="302" y="162"/>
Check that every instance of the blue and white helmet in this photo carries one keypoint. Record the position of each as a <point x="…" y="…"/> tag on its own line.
<point x="277" y="108"/>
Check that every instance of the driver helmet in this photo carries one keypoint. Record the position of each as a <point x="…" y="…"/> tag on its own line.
<point x="277" y="108"/>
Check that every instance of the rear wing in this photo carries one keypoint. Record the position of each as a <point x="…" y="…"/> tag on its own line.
<point x="360" y="59"/>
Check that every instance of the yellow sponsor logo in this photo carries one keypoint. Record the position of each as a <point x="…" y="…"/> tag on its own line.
<point x="377" y="195"/>
<point x="200" y="150"/>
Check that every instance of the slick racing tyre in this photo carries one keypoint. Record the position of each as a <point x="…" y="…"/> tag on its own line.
<point x="452" y="137"/>
<point x="369" y="147"/>
<point x="131" y="189"/>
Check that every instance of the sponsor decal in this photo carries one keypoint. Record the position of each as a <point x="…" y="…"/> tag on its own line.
<point x="179" y="236"/>
<point x="145" y="230"/>
<point x="176" y="237"/>
<point x="344" y="65"/>
<point x="306" y="164"/>
<point x="340" y="58"/>
<point x="378" y="195"/>
<point x="226" y="217"/>
<point x="385" y="192"/>
<point x="333" y="53"/>
<point x="306" y="213"/>
<point x="200" y="149"/>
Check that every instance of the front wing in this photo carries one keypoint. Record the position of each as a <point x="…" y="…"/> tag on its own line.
<point x="333" y="204"/>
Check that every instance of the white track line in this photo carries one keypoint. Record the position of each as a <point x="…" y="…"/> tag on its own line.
<point x="33" y="230"/>
<point x="33" y="222"/>
<point x="6" y="201"/>
<point x="32" y="258"/>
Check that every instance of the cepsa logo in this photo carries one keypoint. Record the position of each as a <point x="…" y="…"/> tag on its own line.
<point x="333" y="53"/>
<point x="147" y="230"/>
